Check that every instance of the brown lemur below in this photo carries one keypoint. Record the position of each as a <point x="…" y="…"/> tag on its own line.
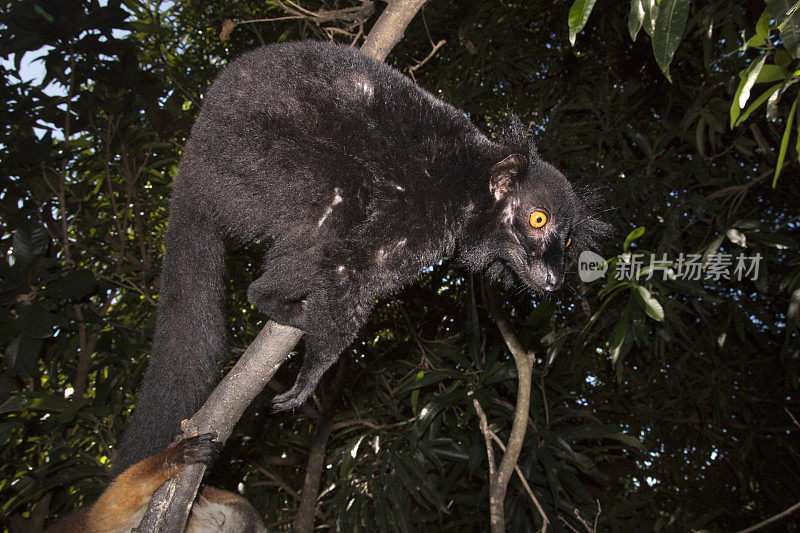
<point x="124" y="502"/>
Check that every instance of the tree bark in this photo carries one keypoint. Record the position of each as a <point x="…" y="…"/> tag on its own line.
<point x="172" y="503"/>
<point x="500" y="476"/>
<point x="306" y="512"/>
<point x="390" y="27"/>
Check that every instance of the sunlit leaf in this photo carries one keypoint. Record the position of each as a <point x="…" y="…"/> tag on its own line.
<point x="30" y="240"/>
<point x="650" y="16"/>
<point x="668" y="31"/>
<point x="787" y="18"/>
<point x="762" y="30"/>
<point x="649" y="303"/>
<point x="632" y="236"/>
<point x="758" y="102"/>
<point x="748" y="78"/>
<point x="787" y="132"/>
<point x="635" y="18"/>
<point x="578" y="15"/>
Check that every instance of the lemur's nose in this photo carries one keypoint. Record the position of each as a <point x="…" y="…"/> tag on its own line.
<point x="553" y="282"/>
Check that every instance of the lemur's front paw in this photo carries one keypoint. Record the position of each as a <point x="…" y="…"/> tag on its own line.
<point x="198" y="449"/>
<point x="293" y="398"/>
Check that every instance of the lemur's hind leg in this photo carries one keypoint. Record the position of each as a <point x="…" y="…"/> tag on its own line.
<point x="288" y="277"/>
<point x="333" y="318"/>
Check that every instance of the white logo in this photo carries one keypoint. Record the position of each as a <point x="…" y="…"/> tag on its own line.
<point x="591" y="266"/>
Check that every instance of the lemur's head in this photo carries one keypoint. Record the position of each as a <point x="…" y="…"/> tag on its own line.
<point x="543" y="223"/>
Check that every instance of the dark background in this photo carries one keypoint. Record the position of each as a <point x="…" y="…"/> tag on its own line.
<point x="665" y="405"/>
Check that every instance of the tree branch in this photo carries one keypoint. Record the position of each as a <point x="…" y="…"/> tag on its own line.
<point x="304" y="520"/>
<point x="498" y="483"/>
<point x="390" y="27"/>
<point x="525" y="484"/>
<point x="487" y="436"/>
<point x="772" y="519"/>
<point x="171" y="504"/>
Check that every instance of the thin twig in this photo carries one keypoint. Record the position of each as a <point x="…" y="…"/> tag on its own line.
<point x="772" y="519"/>
<point x="796" y="423"/>
<point x="430" y="55"/>
<point x="568" y="524"/>
<point x="597" y="516"/>
<point x="484" y="424"/>
<point x="276" y="480"/>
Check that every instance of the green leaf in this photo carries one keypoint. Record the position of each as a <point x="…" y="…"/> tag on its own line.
<point x="627" y="440"/>
<point x="22" y="356"/>
<point x="145" y="27"/>
<point x="668" y="31"/>
<point x="762" y="30"/>
<point x="649" y="303"/>
<point x="477" y="454"/>
<point x="787" y="17"/>
<point x="772" y="102"/>
<point x="770" y="73"/>
<point x="793" y="312"/>
<point x="749" y="76"/>
<point x="44" y="14"/>
<point x="650" y="16"/>
<point x="434" y="407"/>
<point x="619" y="335"/>
<point x="797" y="143"/>
<point x="778" y="241"/>
<point x="7" y="430"/>
<point x="782" y="58"/>
<point x="578" y="15"/>
<point x="635" y="18"/>
<point x="30" y="240"/>
<point x="424" y="378"/>
<point x="14" y="404"/>
<point x="787" y="132"/>
<point x="632" y="236"/>
<point x="755" y="104"/>
<point x="35" y="322"/>
<point x="76" y="284"/>
<point x="711" y="249"/>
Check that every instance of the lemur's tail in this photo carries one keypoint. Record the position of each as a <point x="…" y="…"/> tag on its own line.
<point x="189" y="340"/>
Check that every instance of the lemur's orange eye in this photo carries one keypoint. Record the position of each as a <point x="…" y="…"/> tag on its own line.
<point x="538" y="219"/>
<point x="569" y="241"/>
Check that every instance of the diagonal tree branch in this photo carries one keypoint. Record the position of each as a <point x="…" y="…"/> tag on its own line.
<point x="390" y="27"/>
<point x="172" y="503"/>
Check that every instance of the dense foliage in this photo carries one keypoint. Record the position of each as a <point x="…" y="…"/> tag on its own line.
<point x="661" y="402"/>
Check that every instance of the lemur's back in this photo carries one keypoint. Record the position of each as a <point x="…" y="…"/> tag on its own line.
<point x="326" y="91"/>
<point x="288" y="124"/>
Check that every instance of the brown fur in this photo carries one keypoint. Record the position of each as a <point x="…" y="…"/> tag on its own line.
<point x="123" y="503"/>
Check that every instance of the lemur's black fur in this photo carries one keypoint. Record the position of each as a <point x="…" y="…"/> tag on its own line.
<point x="363" y="179"/>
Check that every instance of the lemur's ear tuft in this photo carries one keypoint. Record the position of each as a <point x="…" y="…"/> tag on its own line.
<point x="506" y="174"/>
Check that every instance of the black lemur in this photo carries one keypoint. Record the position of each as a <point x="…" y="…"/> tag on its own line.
<point x="362" y="178"/>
